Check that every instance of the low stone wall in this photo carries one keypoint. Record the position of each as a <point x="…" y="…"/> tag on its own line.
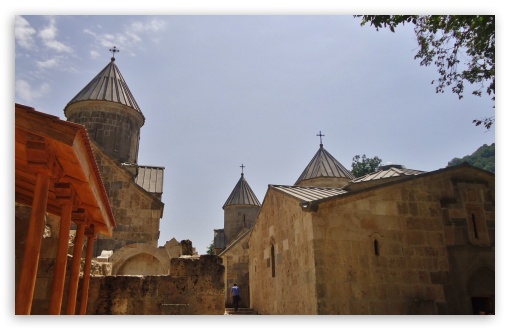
<point x="195" y="286"/>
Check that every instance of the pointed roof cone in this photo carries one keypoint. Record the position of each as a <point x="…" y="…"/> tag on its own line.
<point x="108" y="85"/>
<point x="323" y="164"/>
<point x="242" y="194"/>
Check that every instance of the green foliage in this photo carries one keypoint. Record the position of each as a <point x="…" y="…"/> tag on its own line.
<point x="210" y="248"/>
<point x="446" y="39"/>
<point x="484" y="158"/>
<point x="362" y="165"/>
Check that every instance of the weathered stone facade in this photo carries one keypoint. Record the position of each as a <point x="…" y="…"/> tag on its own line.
<point x="113" y="126"/>
<point x="422" y="245"/>
<point x="137" y="212"/>
<point x="240" y="212"/>
<point x="193" y="287"/>
<point x="236" y="261"/>
<point x="282" y="264"/>
<point x="238" y="218"/>
<point x="325" y="182"/>
<point x="189" y="284"/>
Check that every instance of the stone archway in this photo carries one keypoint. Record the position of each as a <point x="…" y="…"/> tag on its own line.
<point x="140" y="259"/>
<point x="481" y="290"/>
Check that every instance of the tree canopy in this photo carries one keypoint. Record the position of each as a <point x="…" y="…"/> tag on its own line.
<point x="362" y="165"/>
<point x="446" y="39"/>
<point x="210" y="248"/>
<point x="484" y="158"/>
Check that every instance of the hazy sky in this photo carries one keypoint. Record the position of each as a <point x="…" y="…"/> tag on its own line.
<point x="221" y="91"/>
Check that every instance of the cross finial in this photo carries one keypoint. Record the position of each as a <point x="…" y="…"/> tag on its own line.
<point x="320" y="135"/>
<point x="114" y="50"/>
<point x="242" y="169"/>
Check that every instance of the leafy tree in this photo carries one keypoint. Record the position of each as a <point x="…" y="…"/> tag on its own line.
<point x="210" y="248"/>
<point x="362" y="165"/>
<point x="446" y="39"/>
<point x="484" y="158"/>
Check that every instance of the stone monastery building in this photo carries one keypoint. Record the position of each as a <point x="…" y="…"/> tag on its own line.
<point x="397" y="241"/>
<point x="112" y="201"/>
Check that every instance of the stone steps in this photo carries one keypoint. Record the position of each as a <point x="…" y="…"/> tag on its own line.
<point x="240" y="311"/>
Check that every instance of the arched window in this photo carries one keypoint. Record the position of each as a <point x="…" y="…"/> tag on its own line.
<point x="272" y="261"/>
<point x="376" y="247"/>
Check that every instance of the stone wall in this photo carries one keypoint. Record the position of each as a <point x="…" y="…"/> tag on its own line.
<point x="194" y="287"/>
<point x="395" y="250"/>
<point x="191" y="284"/>
<point x="115" y="127"/>
<point x="382" y="247"/>
<point x="282" y="240"/>
<point x="236" y="261"/>
<point x="421" y="246"/>
<point x="237" y="218"/>
<point x="137" y="213"/>
<point x="325" y="182"/>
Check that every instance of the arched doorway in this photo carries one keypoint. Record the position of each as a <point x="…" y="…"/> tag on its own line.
<point x="481" y="289"/>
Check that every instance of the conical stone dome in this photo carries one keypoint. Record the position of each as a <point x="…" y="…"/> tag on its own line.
<point x="240" y="210"/>
<point x="242" y="194"/>
<point x="109" y="112"/>
<point x="324" y="171"/>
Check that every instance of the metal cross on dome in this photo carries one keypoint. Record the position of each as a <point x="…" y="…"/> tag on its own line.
<point x="114" y="50"/>
<point x="320" y="135"/>
<point x="242" y="168"/>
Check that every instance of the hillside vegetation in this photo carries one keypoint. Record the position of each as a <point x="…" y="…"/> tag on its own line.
<point x="484" y="158"/>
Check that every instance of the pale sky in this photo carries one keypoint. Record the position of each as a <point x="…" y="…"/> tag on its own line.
<point x="218" y="91"/>
<point x="221" y="91"/>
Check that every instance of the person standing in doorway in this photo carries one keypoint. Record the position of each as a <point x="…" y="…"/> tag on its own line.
<point x="234" y="293"/>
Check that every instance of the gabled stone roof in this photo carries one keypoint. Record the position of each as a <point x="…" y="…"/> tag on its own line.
<point x="323" y="164"/>
<point x="108" y="85"/>
<point x="242" y="194"/>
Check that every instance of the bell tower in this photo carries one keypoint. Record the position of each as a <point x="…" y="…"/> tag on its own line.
<point x="240" y="212"/>
<point x="109" y="112"/>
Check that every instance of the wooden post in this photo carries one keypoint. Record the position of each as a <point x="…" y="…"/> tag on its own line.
<point x="26" y="285"/>
<point x="65" y="193"/>
<point x="40" y="160"/>
<point x="91" y="236"/>
<point x="75" y="270"/>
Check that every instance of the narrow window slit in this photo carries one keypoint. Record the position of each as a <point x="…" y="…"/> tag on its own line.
<point x="475" y="230"/>
<point x="272" y="261"/>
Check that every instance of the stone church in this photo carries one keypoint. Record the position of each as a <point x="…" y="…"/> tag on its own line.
<point x="112" y="191"/>
<point x="397" y="241"/>
<point x="239" y="214"/>
<point x="108" y="110"/>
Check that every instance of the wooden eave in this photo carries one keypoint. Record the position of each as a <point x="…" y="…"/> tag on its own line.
<point x="74" y="162"/>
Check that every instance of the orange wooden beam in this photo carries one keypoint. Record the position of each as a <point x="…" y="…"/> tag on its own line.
<point x="81" y="219"/>
<point x="91" y="236"/>
<point x="40" y="159"/>
<point x="66" y="195"/>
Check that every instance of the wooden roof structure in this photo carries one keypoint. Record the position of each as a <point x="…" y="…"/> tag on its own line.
<point x="56" y="173"/>
<point x="38" y="133"/>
